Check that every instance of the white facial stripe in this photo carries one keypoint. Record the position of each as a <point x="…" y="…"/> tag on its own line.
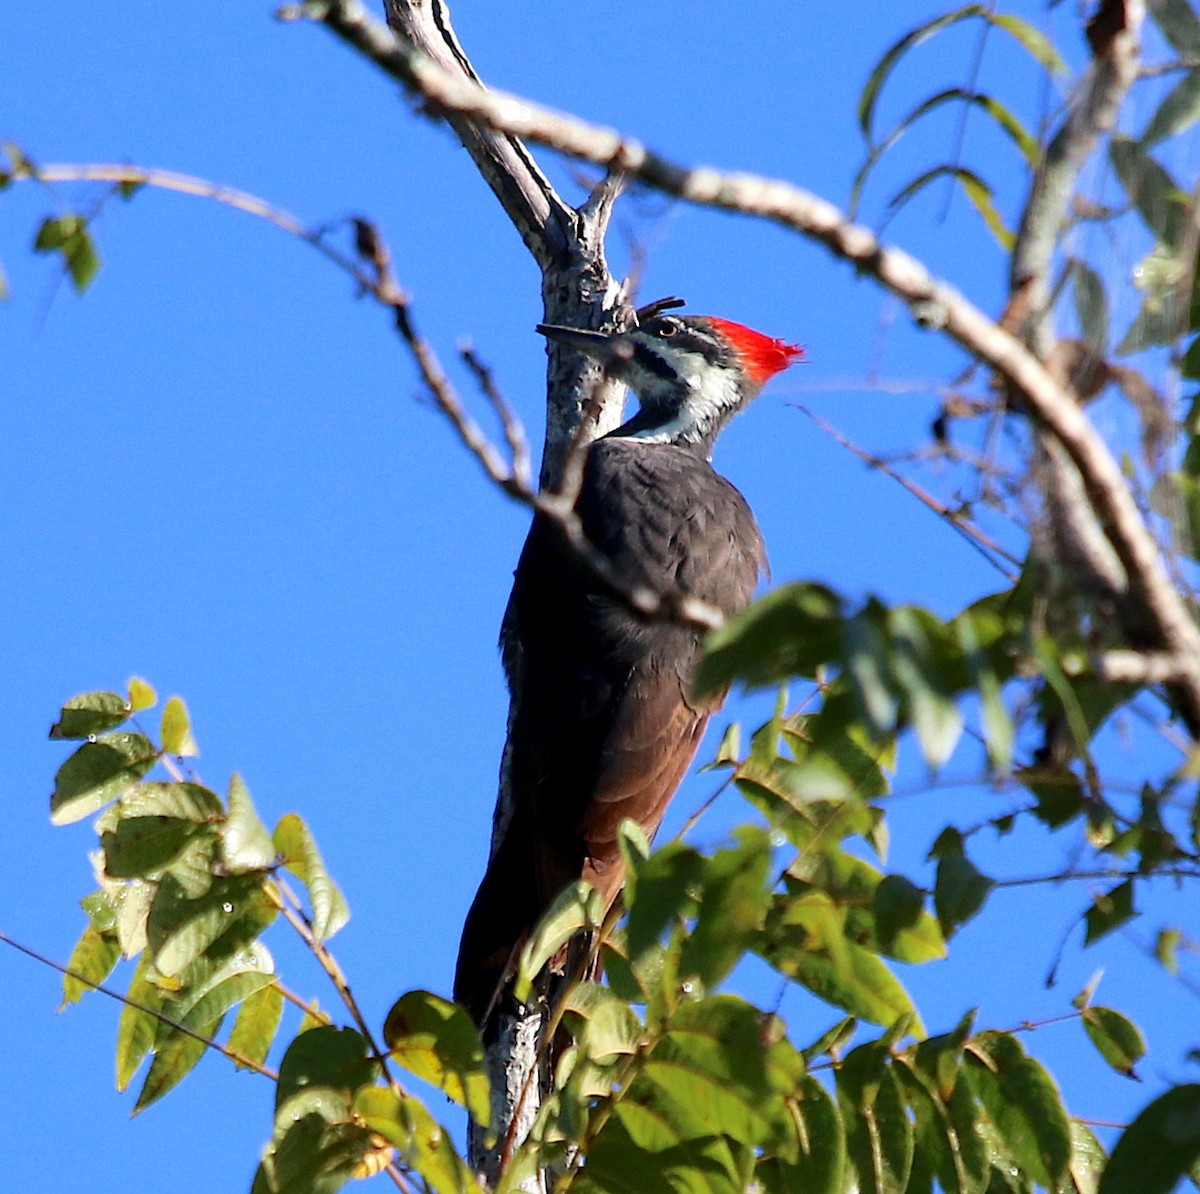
<point x="704" y="405"/>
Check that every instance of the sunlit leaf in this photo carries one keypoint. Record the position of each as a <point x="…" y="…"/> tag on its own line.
<point x="904" y="927"/>
<point x="735" y="891"/>
<point x="176" y="1055"/>
<point x="92" y="960"/>
<point x="1001" y="115"/>
<point x="850" y="977"/>
<point x="1088" y="1159"/>
<point x="973" y="186"/>
<point x="225" y="919"/>
<point x="177" y="729"/>
<point x="257" y="1022"/>
<point x="246" y="844"/>
<point x="298" y="851"/>
<point x="424" y="1145"/>
<point x="141" y="695"/>
<point x="138" y="1026"/>
<point x="436" y="1040"/>
<point x="577" y="908"/>
<point x="144" y="847"/>
<point x="1034" y="42"/>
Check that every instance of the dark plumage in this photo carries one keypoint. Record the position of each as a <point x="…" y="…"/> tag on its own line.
<point x="604" y="723"/>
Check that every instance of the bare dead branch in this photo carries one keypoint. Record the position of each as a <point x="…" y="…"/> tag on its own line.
<point x="1091" y="111"/>
<point x="514" y="431"/>
<point x="933" y="303"/>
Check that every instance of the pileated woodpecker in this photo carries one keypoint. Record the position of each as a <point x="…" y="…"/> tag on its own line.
<point x="604" y="724"/>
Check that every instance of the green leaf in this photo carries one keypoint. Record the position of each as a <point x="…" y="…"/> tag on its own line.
<point x="89" y="714"/>
<point x="577" y="908"/>
<point x="437" y="1041"/>
<point x="93" y="959"/>
<point x="848" y="976"/>
<point x="959" y="891"/>
<point x="1109" y="911"/>
<point x="317" y="1149"/>
<point x="608" y="1026"/>
<point x="1179" y="110"/>
<point x="971" y="630"/>
<point x="179" y="799"/>
<point x="298" y="851"/>
<point x="948" y="1146"/>
<point x="246" y="844"/>
<point x="1119" y="1040"/>
<point x="176" y="1055"/>
<point x="1166" y="947"/>
<point x="1088" y="1159"/>
<point x="973" y="186"/>
<point x="903" y="927"/>
<point x="659" y="892"/>
<point x="424" y="1144"/>
<point x="1151" y="189"/>
<point x="1033" y="41"/>
<point x="335" y="1058"/>
<point x="221" y="922"/>
<point x="1091" y="304"/>
<point x="68" y="235"/>
<point x="1178" y="22"/>
<point x="144" y="847"/>
<point x="98" y="772"/>
<point x="1002" y="116"/>
<point x="707" y="1075"/>
<point x="879" y="1137"/>
<point x="817" y="1164"/>
<point x="257" y="1022"/>
<point x="1023" y="1104"/>
<point x="1159" y="1148"/>
<point x="867" y="662"/>
<point x="734" y="895"/>
<point x="918" y="662"/>
<point x="138" y="1025"/>
<point x="790" y="631"/>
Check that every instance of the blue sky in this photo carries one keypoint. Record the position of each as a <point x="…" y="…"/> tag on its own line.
<point x="214" y="474"/>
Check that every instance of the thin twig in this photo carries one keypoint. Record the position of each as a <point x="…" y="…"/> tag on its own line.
<point x="979" y="540"/>
<point x="282" y="896"/>
<point x="514" y="431"/>
<point x="239" y="1059"/>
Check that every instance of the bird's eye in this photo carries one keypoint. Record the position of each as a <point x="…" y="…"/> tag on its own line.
<point x="665" y="328"/>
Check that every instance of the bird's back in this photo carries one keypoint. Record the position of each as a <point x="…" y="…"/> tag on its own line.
<point x="605" y="724"/>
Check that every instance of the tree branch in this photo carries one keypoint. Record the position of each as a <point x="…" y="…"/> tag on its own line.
<point x="933" y="303"/>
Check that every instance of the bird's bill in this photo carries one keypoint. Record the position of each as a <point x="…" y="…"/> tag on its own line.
<point x="600" y="346"/>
